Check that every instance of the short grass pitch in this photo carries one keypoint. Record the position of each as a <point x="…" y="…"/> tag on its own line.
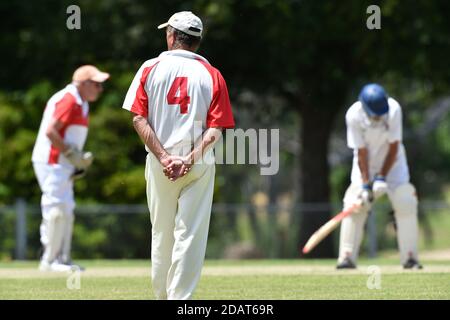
<point x="234" y="280"/>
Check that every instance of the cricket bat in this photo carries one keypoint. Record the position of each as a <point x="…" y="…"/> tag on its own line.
<point x="327" y="228"/>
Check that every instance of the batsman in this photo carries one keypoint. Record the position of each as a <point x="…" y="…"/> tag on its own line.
<point x="374" y="132"/>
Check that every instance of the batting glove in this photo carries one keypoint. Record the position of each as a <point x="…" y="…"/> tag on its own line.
<point x="379" y="186"/>
<point x="366" y="196"/>
<point x="80" y="159"/>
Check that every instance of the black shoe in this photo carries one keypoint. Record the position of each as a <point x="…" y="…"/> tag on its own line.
<point x="412" y="264"/>
<point x="346" y="264"/>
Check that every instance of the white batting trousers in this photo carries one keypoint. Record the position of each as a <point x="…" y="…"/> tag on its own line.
<point x="404" y="202"/>
<point x="57" y="205"/>
<point x="180" y="213"/>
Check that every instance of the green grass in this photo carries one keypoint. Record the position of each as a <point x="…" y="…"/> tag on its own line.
<point x="236" y="280"/>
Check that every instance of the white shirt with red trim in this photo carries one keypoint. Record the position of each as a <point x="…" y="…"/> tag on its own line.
<point x="375" y="136"/>
<point x="66" y="106"/>
<point x="181" y="95"/>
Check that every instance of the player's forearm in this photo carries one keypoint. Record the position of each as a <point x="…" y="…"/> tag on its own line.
<point x="390" y="158"/>
<point x="148" y="136"/>
<point x="56" y="139"/>
<point x="209" y="138"/>
<point x="363" y="162"/>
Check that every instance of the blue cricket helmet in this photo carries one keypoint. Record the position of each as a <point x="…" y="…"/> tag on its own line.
<point x="374" y="100"/>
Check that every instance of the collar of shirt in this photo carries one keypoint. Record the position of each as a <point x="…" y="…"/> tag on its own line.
<point x="368" y="122"/>
<point x="74" y="91"/>
<point x="182" y="53"/>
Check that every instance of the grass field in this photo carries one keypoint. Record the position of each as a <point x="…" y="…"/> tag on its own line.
<point x="235" y="280"/>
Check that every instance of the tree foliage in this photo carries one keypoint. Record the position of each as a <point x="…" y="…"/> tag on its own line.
<point x="293" y="58"/>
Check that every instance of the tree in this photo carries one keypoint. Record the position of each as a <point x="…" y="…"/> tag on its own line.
<point x="317" y="55"/>
<point x="313" y="55"/>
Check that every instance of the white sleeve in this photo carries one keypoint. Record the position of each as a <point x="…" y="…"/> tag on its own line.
<point x="132" y="90"/>
<point x="133" y="100"/>
<point x="355" y="138"/>
<point x="395" y="123"/>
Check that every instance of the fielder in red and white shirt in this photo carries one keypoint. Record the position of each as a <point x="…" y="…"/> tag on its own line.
<point x="180" y="105"/>
<point x="58" y="159"/>
<point x="67" y="108"/>
<point x="180" y="94"/>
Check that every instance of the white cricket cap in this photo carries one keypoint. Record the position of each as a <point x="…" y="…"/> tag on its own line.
<point x="186" y="22"/>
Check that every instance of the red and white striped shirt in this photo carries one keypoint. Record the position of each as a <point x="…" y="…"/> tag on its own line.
<point x="67" y="107"/>
<point x="181" y="95"/>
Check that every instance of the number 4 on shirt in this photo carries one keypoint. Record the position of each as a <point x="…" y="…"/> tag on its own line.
<point x="183" y="100"/>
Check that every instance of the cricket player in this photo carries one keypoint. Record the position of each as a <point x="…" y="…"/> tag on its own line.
<point x="374" y="132"/>
<point x="180" y="105"/>
<point x="58" y="159"/>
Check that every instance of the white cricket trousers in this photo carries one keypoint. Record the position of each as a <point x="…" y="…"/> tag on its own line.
<point x="179" y="212"/>
<point x="404" y="202"/>
<point x="57" y="205"/>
